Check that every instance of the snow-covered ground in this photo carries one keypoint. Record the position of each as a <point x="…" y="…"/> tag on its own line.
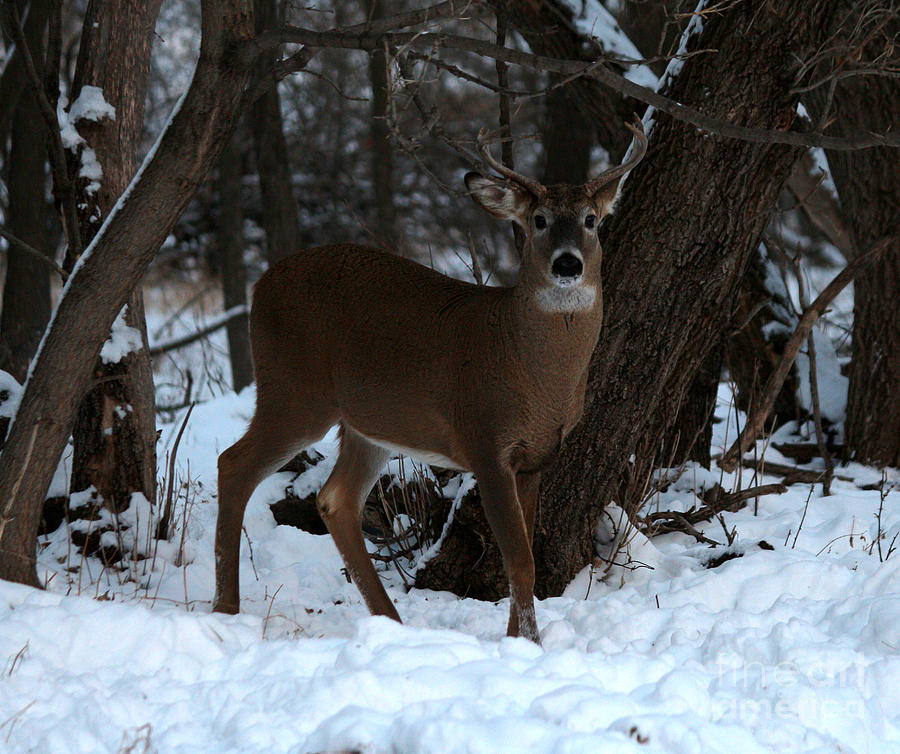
<point x="792" y="647"/>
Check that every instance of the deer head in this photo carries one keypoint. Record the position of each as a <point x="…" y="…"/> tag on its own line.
<point x="560" y="222"/>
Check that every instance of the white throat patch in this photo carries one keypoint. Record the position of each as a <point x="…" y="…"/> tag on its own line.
<point x="573" y="298"/>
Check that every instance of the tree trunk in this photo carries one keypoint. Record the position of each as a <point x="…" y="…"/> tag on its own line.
<point x="98" y="289"/>
<point x="279" y="206"/>
<point x="230" y="238"/>
<point x="26" y="291"/>
<point x="688" y="220"/>
<point x="382" y="160"/>
<point x="115" y="428"/>
<point x="868" y="183"/>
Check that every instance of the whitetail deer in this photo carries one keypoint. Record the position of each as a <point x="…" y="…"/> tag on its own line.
<point x="408" y="360"/>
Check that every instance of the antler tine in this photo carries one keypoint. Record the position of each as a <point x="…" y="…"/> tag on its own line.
<point x="640" y="149"/>
<point x="535" y="187"/>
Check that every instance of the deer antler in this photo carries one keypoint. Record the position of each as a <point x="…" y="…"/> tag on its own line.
<point x="640" y="149"/>
<point x="536" y="188"/>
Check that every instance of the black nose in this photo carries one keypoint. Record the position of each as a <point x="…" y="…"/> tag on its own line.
<point x="567" y="266"/>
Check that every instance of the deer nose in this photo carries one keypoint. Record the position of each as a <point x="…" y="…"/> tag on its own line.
<point x="567" y="265"/>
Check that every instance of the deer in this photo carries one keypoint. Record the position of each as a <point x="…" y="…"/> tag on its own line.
<point x="406" y="360"/>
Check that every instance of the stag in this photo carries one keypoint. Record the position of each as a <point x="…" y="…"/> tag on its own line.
<point x="406" y="360"/>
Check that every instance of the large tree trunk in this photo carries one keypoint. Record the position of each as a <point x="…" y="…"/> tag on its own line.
<point x="279" y="206"/>
<point x="26" y="291"/>
<point x="230" y="240"/>
<point x="689" y="219"/>
<point x="116" y="262"/>
<point x="868" y="183"/>
<point x="115" y="428"/>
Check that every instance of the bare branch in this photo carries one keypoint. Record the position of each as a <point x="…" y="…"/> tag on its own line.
<point x="203" y="332"/>
<point x="598" y="70"/>
<point x="757" y="420"/>
<point x="29" y="249"/>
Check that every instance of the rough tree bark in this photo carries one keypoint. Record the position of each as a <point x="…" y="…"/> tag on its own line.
<point x="230" y="240"/>
<point x="115" y="428"/>
<point x="26" y="291"/>
<point x="689" y="218"/>
<point x="279" y="206"/>
<point x="109" y="271"/>
<point x="868" y="184"/>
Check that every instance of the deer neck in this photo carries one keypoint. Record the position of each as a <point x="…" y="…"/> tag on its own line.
<point x="559" y="325"/>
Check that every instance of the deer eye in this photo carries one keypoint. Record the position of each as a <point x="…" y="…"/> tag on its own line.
<point x="590" y="221"/>
<point x="540" y="222"/>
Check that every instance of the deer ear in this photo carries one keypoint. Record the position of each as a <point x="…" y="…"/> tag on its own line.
<point x="504" y="200"/>
<point x="605" y="197"/>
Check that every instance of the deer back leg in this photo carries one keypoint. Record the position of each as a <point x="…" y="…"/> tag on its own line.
<point x="340" y="504"/>
<point x="269" y="443"/>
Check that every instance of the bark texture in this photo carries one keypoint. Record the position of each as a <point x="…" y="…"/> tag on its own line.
<point x="115" y="428"/>
<point x="99" y="288"/>
<point x="868" y="183"/>
<point x="26" y="291"/>
<point x="689" y="218"/>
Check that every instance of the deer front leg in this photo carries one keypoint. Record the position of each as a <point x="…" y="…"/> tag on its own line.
<point x="504" y="514"/>
<point x="527" y="490"/>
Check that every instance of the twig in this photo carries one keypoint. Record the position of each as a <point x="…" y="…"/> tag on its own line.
<point x="814" y="386"/>
<point x="757" y="421"/>
<point x="29" y="249"/>
<point x="162" y="530"/>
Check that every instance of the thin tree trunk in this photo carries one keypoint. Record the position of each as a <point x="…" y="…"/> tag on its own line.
<point x="688" y="220"/>
<point x="548" y="28"/>
<point x="868" y="183"/>
<point x="26" y="291"/>
<point x="279" y="206"/>
<point x="115" y="428"/>
<point x="382" y="160"/>
<point x="230" y="239"/>
<point x="100" y="286"/>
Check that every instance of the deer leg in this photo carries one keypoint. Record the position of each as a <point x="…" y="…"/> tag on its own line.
<point x="504" y="514"/>
<point x="340" y="504"/>
<point x="265" y="446"/>
<point x="527" y="490"/>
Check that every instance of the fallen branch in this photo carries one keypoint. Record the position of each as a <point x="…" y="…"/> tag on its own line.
<point x="758" y="418"/>
<point x="716" y="500"/>
<point x="203" y="332"/>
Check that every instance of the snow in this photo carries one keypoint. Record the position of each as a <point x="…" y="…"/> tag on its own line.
<point x="91" y="105"/>
<point x="122" y="340"/>
<point x="793" y="649"/>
